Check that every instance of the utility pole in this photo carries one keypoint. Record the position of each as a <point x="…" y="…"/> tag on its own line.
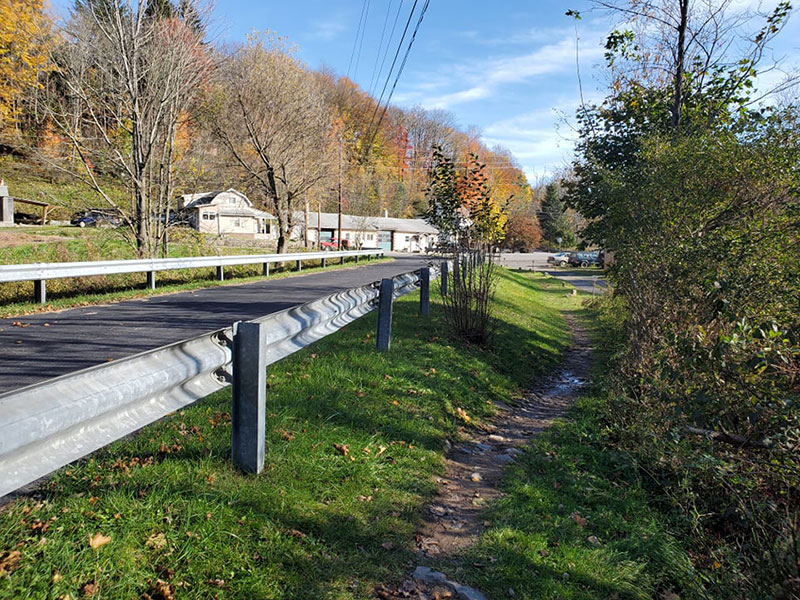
<point x="319" y="225"/>
<point x="339" y="202"/>
<point x="305" y="228"/>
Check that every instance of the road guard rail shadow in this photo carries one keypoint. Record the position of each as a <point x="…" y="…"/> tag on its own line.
<point x="50" y="424"/>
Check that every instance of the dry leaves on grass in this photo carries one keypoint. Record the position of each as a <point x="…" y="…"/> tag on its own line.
<point x="581" y="522"/>
<point x="98" y="539"/>
<point x="157" y="541"/>
<point x="287" y="436"/>
<point x="462" y="414"/>
<point x="9" y="561"/>
<point x="90" y="588"/>
<point x="160" y="590"/>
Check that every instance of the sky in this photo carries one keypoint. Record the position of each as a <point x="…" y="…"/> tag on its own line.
<point x="507" y="67"/>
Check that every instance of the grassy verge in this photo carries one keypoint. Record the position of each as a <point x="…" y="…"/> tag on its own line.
<point x="354" y="438"/>
<point x="168" y="282"/>
<point x="575" y="521"/>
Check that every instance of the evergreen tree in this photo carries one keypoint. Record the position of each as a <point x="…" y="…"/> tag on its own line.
<point x="555" y="220"/>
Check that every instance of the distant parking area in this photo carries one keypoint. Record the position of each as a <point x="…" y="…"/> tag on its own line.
<point x="589" y="279"/>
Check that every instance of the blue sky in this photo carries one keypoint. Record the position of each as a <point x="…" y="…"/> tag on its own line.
<point x="506" y="67"/>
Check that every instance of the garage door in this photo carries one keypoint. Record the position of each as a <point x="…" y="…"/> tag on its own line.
<point x="385" y="240"/>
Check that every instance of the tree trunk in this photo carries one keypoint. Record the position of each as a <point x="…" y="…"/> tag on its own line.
<point x="677" y="98"/>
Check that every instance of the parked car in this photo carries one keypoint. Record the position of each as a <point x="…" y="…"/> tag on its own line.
<point x="584" y="259"/>
<point x="561" y="259"/>
<point x="333" y="244"/>
<point x="95" y="219"/>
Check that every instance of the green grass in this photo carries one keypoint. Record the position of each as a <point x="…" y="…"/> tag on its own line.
<point x="538" y="543"/>
<point x="316" y="523"/>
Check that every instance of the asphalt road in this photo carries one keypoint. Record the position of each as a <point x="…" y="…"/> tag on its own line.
<point x="55" y="343"/>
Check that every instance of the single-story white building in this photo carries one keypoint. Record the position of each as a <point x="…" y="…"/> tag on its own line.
<point x="227" y="213"/>
<point x="397" y="235"/>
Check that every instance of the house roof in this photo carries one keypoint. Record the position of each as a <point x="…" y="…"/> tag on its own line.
<point x="192" y="201"/>
<point x="361" y="223"/>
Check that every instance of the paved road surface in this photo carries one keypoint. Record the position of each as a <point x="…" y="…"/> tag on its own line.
<point x="78" y="338"/>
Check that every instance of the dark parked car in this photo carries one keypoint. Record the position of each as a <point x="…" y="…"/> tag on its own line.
<point x="96" y="219"/>
<point x="584" y="259"/>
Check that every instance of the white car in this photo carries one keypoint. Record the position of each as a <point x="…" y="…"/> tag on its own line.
<point x="561" y="259"/>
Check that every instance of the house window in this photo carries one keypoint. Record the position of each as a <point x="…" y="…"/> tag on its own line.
<point x="370" y="236"/>
<point x="209" y="216"/>
<point x="237" y="222"/>
<point x="408" y="238"/>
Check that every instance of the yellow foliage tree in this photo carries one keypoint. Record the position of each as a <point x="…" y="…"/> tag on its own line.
<point x="24" y="28"/>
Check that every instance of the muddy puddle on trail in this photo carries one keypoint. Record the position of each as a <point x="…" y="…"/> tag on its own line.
<point x="474" y="469"/>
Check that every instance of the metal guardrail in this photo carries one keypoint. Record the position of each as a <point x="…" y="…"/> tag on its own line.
<point x="50" y="424"/>
<point x="39" y="273"/>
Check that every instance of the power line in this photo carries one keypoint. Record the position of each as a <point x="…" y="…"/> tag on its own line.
<point x="394" y="61"/>
<point x="361" y="44"/>
<point x="400" y="70"/>
<point x="373" y="78"/>
<point x="358" y="32"/>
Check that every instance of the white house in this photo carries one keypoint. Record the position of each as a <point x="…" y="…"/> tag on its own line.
<point x="398" y="235"/>
<point x="227" y="213"/>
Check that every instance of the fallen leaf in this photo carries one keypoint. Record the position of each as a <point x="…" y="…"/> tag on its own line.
<point x="98" y="540"/>
<point x="9" y="561"/>
<point x="387" y="545"/>
<point x="90" y="589"/>
<point x="462" y="414"/>
<point x="57" y="577"/>
<point x="157" y="541"/>
<point x="285" y="435"/>
<point x="578" y="519"/>
<point x="716" y="564"/>
<point x="297" y="533"/>
<point x="216" y="582"/>
<point x="342" y="448"/>
<point x="160" y="590"/>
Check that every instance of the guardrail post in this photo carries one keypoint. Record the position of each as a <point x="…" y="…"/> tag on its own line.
<point x="324" y="262"/>
<point x="341" y="260"/>
<point x="425" y="291"/>
<point x="220" y="273"/>
<point x="265" y="270"/>
<point x="151" y="280"/>
<point x="248" y="412"/>
<point x="299" y="265"/>
<point x="383" y="337"/>
<point x="445" y="273"/>
<point x="40" y="291"/>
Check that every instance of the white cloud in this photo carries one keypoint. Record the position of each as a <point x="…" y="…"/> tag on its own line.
<point x="325" y="30"/>
<point x="486" y="77"/>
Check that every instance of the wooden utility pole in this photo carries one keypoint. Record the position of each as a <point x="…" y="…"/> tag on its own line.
<point x="319" y="225"/>
<point x="305" y="227"/>
<point x="339" y="200"/>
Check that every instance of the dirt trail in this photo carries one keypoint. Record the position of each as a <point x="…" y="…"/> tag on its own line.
<point x="474" y="469"/>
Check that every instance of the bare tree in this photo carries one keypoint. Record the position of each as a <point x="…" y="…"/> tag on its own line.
<point x="270" y="114"/>
<point x="127" y="72"/>
<point x="699" y="44"/>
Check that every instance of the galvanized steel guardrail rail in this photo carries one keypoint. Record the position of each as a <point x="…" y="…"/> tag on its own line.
<point x="50" y="424"/>
<point x="39" y="273"/>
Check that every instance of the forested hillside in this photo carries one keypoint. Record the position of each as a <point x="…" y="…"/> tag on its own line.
<point x="134" y="104"/>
